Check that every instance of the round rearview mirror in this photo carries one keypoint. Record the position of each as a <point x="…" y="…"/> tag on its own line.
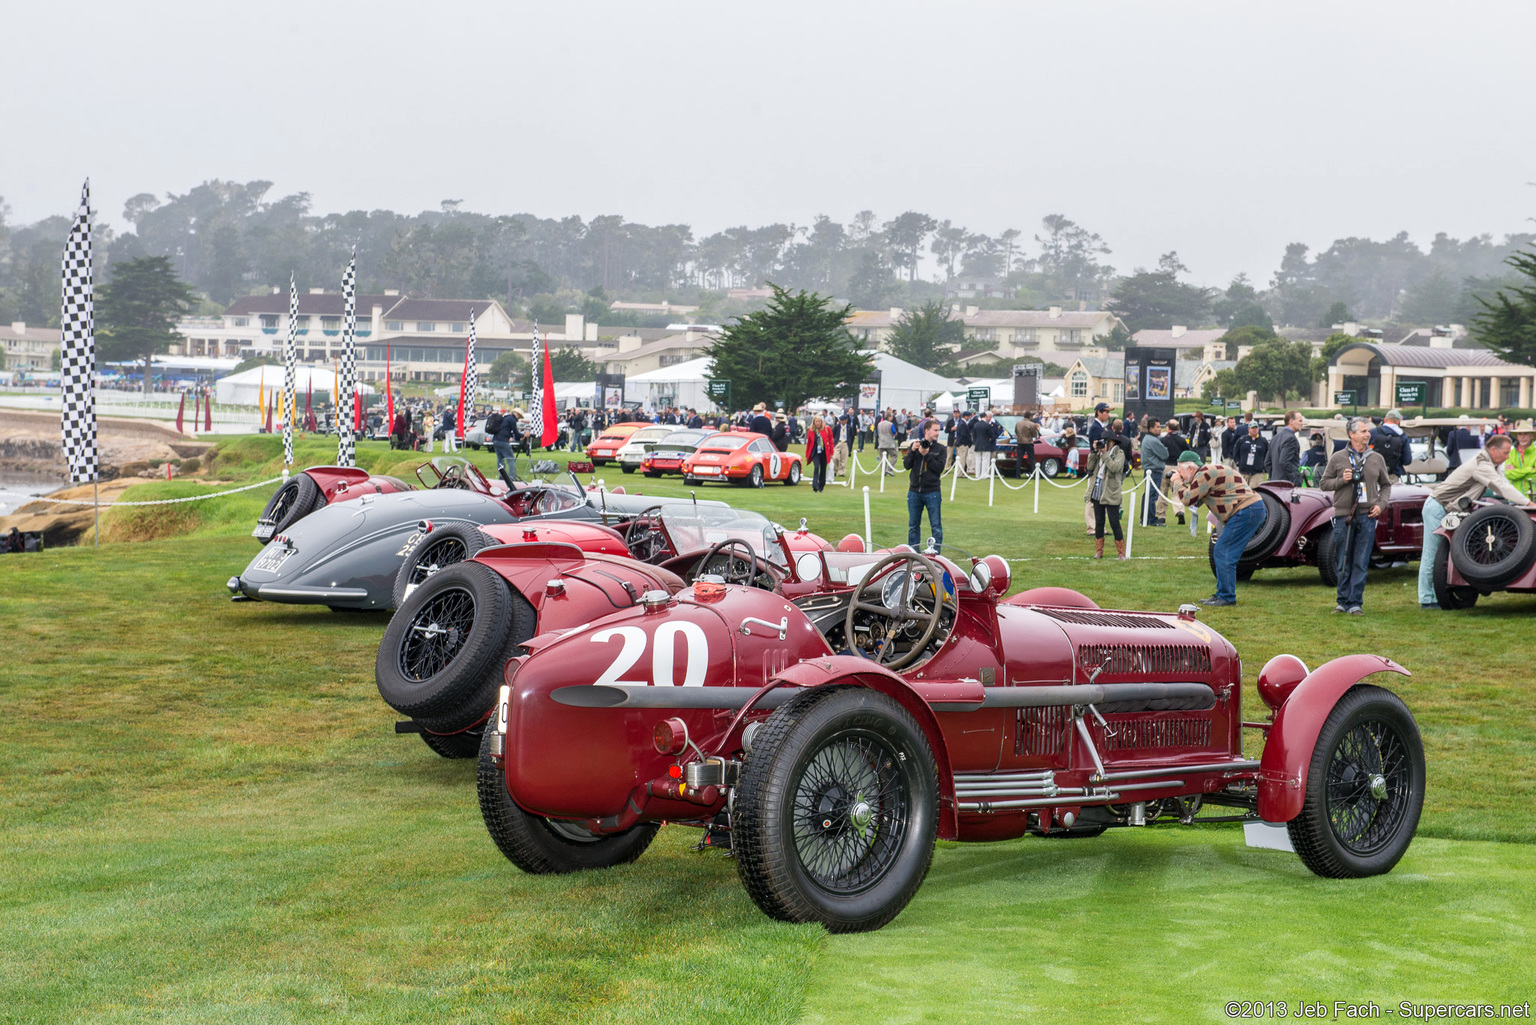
<point x="808" y="566"/>
<point x="981" y="576"/>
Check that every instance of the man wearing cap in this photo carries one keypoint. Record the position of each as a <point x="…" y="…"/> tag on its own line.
<point x="1361" y="489"/>
<point x="1252" y="454"/>
<point x="924" y="460"/>
<point x="1479" y="472"/>
<point x="1390" y="441"/>
<point x="1200" y="435"/>
<point x="1099" y="424"/>
<point x="1236" y="505"/>
<point x="1520" y="467"/>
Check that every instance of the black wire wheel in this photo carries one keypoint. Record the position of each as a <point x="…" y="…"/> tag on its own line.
<point x="297" y="498"/>
<point x="1450" y="597"/>
<point x="1494" y="546"/>
<point x="428" y="554"/>
<point x="1365" y="787"/>
<point x="835" y="815"/>
<point x="454" y="745"/>
<point x="543" y="846"/>
<point x="441" y="656"/>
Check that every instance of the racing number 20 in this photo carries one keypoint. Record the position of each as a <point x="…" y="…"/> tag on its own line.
<point x="663" y="670"/>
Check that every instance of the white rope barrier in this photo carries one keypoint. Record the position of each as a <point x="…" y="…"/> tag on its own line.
<point x="166" y="501"/>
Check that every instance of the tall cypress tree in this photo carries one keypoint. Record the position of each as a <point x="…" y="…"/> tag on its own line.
<point x="137" y="310"/>
<point x="795" y="349"/>
<point x="1507" y="324"/>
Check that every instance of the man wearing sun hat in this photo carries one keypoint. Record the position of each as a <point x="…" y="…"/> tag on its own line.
<point x="1230" y="499"/>
<point x="1520" y="467"/>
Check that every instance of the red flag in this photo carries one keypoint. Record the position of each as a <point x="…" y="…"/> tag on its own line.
<point x="389" y="394"/>
<point x="463" y="380"/>
<point x="208" y="415"/>
<point x="179" y="410"/>
<point x="309" y="412"/>
<point x="357" y="411"/>
<point x="269" y="409"/>
<point x="551" y="423"/>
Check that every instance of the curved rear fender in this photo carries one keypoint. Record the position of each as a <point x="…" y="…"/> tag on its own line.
<point x="330" y="478"/>
<point x="850" y="670"/>
<point x="1288" y="751"/>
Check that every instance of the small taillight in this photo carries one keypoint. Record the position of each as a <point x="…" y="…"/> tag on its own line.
<point x="670" y="737"/>
<point x="424" y="527"/>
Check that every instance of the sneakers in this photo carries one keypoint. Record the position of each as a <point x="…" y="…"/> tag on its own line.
<point x="1340" y="608"/>
<point x="1215" y="601"/>
<point x="1355" y="610"/>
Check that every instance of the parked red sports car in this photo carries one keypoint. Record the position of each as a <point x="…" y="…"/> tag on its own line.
<point x="1490" y="547"/>
<point x="1298" y="530"/>
<point x="741" y="457"/>
<point x="828" y="739"/>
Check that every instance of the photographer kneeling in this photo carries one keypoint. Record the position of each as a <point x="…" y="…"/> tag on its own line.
<point x="924" y="460"/>
<point x="1106" y="469"/>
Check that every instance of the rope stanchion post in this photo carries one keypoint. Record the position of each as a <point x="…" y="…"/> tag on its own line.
<point x="1130" y="526"/>
<point x="883" y="474"/>
<point x="991" y="484"/>
<point x="869" y="534"/>
<point x="1037" y="488"/>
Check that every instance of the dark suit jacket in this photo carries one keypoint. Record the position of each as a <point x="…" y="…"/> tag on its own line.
<point x="1285" y="456"/>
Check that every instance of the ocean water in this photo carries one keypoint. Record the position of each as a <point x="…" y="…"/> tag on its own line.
<point x="17" y="489"/>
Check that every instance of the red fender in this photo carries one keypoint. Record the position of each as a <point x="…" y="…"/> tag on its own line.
<point x="1288" y="751"/>
<point x="861" y="672"/>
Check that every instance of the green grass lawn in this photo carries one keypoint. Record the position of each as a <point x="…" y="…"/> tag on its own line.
<point x="206" y="817"/>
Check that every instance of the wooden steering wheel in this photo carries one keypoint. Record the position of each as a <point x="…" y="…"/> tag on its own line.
<point x="904" y="611"/>
<point x="737" y="554"/>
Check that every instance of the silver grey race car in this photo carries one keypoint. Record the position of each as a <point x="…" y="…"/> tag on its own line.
<point x="348" y="555"/>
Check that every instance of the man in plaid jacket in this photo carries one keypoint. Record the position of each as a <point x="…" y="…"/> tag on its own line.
<point x="1230" y="499"/>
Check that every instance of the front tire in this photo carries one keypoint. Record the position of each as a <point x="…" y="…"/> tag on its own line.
<point x="1328" y="558"/>
<point x="835" y="815"/>
<point x="447" y="545"/>
<point x="541" y="846"/>
<point x="1450" y="598"/>
<point x="1365" y="787"/>
<point x="1051" y="467"/>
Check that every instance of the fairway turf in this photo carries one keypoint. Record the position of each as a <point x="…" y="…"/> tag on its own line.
<point x="206" y="817"/>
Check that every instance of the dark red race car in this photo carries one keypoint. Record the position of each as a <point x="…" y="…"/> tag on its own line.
<point x="828" y="738"/>
<point x="1488" y="546"/>
<point x="1298" y="530"/>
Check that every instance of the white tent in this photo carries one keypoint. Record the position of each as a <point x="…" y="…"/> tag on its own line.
<point x="247" y="387"/>
<point x="907" y="386"/>
<point x="681" y="384"/>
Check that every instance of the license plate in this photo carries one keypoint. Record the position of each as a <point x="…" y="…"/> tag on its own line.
<point x="706" y="469"/>
<point x="264" y="531"/>
<point x="272" y="558"/>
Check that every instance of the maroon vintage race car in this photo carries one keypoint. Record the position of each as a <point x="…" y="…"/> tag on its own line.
<point x="467" y="597"/>
<point x="828" y="738"/>
<point x="1298" y="531"/>
<point x="1487" y="547"/>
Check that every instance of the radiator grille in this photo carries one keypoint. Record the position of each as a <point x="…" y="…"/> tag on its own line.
<point x="1138" y="734"/>
<point x="1040" y="731"/>
<point x="1146" y="659"/>
<point x="1089" y="617"/>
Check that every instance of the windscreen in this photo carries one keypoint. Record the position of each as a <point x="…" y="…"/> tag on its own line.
<point x="694" y="528"/>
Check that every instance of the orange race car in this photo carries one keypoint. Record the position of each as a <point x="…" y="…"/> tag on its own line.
<point x="741" y="457"/>
<point x="605" y="447"/>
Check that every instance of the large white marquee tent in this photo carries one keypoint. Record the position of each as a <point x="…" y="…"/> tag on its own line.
<point x="247" y="387"/>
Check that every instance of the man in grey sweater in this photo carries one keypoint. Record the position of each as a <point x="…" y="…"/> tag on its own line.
<point x="1361" y="490"/>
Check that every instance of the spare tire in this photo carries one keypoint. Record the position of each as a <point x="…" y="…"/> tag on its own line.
<point x="1267" y="539"/>
<point x="441" y="656"/>
<point x="447" y="544"/>
<point x="1494" y="546"/>
<point x="289" y="504"/>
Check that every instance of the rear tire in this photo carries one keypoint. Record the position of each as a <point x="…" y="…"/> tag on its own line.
<point x="1051" y="467"/>
<point x="756" y="480"/>
<point x="1450" y="598"/>
<point x="1494" y="546"/>
<point x="1365" y="787"/>
<point x="1328" y="557"/>
<point x="448" y="544"/>
<point x="835" y="815"/>
<point x="541" y="846"/>
<point x="441" y="656"/>
<point x="454" y="745"/>
<point x="295" y="500"/>
<point x="794" y="475"/>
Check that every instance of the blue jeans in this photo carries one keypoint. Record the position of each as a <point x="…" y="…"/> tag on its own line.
<point x="1434" y="512"/>
<point x="506" y="456"/>
<point x="917" y="501"/>
<point x="1354" y="537"/>
<point x="1239" y="529"/>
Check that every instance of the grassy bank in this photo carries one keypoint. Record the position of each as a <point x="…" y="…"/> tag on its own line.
<point x="206" y="817"/>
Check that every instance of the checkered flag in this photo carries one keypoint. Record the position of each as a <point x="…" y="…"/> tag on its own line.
<point x="289" y="355"/>
<point x="536" y="407"/>
<point x="471" y="376"/>
<point x="78" y="358"/>
<point x="346" y="447"/>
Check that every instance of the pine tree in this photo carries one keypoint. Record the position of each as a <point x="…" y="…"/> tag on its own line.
<point x="1507" y="324"/>
<point x="137" y="310"/>
<point x="795" y="349"/>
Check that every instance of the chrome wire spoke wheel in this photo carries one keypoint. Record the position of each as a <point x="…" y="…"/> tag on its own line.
<point x="850" y="812"/>
<point x="1499" y="537"/>
<point x="1368" y="786"/>
<point x="437" y="633"/>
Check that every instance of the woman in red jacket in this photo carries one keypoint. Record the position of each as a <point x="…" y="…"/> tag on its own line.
<point x="818" y="449"/>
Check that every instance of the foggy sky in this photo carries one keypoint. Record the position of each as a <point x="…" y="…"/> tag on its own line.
<point x="1223" y="130"/>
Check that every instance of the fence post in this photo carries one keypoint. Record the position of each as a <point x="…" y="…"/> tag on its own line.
<point x="869" y="534"/>
<point x="1130" y="527"/>
<point x="991" y="484"/>
<point x="1037" y="488"/>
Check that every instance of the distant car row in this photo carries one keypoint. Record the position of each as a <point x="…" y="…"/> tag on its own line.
<point x="698" y="454"/>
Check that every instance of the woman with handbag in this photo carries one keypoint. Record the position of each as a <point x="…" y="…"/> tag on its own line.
<point x="1105" y="471"/>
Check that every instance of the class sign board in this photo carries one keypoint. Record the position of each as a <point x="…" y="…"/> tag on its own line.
<point x="979" y="398"/>
<point x="1414" y="394"/>
<point x="719" y="390"/>
<point x="1344" y="398"/>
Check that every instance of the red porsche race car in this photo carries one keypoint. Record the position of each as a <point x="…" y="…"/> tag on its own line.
<point x="468" y="596"/>
<point x="667" y="455"/>
<point x="1488" y="546"/>
<point x="829" y="738"/>
<point x="1298" y="530"/>
<point x="741" y="457"/>
<point x="605" y="447"/>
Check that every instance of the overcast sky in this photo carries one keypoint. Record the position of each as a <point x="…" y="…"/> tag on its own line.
<point x="1222" y="129"/>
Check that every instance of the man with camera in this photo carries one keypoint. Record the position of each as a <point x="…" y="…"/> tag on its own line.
<point x="924" y="460"/>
